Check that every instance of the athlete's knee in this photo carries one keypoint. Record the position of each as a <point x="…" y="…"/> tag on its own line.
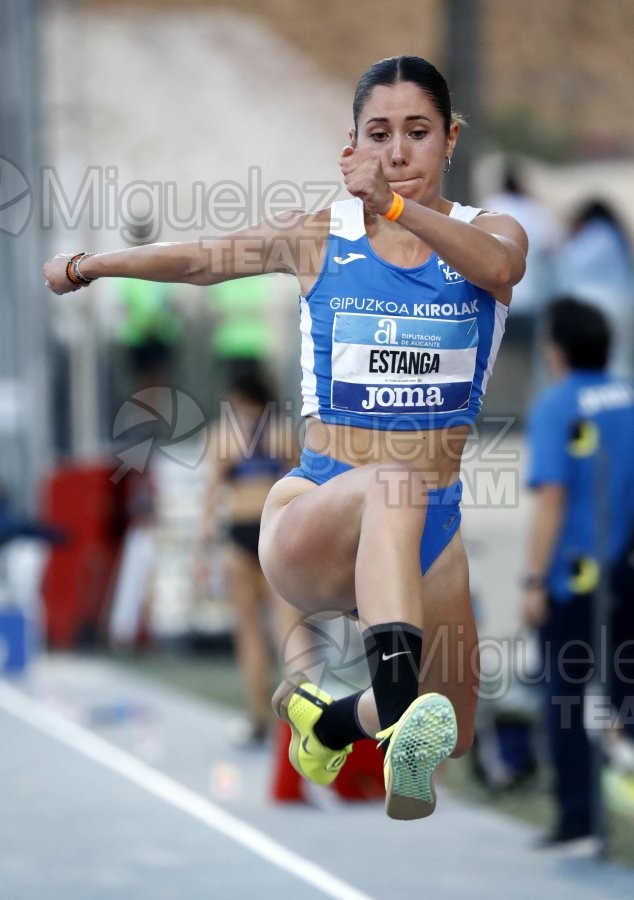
<point x="395" y="486"/>
<point x="290" y="546"/>
<point x="284" y="554"/>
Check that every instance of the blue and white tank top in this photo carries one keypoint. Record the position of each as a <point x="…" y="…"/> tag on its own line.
<point x="388" y="347"/>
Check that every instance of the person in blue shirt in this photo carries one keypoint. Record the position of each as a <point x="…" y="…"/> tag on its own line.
<point x="581" y="446"/>
<point x="403" y="300"/>
<point x="595" y="264"/>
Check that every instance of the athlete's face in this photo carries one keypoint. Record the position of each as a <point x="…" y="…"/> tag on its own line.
<point x="404" y="126"/>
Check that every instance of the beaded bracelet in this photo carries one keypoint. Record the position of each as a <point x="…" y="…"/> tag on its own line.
<point x="72" y="270"/>
<point x="395" y="209"/>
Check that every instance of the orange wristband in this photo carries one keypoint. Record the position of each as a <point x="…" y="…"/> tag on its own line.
<point x="69" y="269"/>
<point x="395" y="209"/>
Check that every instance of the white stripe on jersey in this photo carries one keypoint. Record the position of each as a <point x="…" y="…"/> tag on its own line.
<point x="501" y="312"/>
<point x="346" y="219"/>
<point x="310" y="405"/>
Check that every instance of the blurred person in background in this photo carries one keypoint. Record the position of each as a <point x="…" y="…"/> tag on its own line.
<point x="148" y="334"/>
<point x="404" y="297"/>
<point x="243" y="331"/>
<point x="251" y="449"/>
<point x="14" y="525"/>
<point x="595" y="264"/>
<point x="581" y="445"/>
<point x="129" y="613"/>
<point x="21" y="571"/>
<point x="545" y="234"/>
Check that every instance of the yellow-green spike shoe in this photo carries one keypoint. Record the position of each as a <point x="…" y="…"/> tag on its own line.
<point x="423" y="737"/>
<point x="301" y="704"/>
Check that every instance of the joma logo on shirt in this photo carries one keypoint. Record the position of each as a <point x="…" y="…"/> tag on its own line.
<point x="398" y="397"/>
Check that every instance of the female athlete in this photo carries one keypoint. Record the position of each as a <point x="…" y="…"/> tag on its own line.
<point x="404" y="296"/>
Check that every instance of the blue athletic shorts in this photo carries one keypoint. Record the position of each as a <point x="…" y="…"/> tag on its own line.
<point x="443" y="505"/>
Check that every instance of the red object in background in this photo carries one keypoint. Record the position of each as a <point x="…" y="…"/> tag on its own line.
<point x="287" y="785"/>
<point x="83" y="502"/>
<point x="360" y="779"/>
<point x="362" y="776"/>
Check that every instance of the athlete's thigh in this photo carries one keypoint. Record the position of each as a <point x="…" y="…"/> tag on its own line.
<point x="450" y="662"/>
<point x="309" y="537"/>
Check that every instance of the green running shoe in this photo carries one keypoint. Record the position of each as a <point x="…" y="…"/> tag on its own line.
<point x="423" y="737"/>
<point x="301" y="703"/>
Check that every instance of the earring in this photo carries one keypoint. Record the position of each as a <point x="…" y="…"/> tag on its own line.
<point x="447" y="166"/>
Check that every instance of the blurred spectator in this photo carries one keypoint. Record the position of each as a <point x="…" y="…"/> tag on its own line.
<point x="545" y="233"/>
<point x="243" y="334"/>
<point x="595" y="264"/>
<point x="251" y="450"/>
<point x="581" y="442"/>
<point x="148" y="332"/>
<point x="13" y="525"/>
<point x="127" y="626"/>
<point x="21" y="570"/>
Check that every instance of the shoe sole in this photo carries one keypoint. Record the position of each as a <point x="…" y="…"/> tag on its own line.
<point x="425" y="737"/>
<point x="280" y="700"/>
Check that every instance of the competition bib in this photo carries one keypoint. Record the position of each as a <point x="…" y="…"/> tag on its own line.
<point x="382" y="364"/>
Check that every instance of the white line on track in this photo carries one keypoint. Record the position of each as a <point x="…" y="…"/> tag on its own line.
<point x="154" y="782"/>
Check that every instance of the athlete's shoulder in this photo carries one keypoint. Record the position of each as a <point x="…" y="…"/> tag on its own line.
<point x="344" y="219"/>
<point x="294" y="221"/>
<point x="320" y="218"/>
<point x="462" y="212"/>
<point x="502" y="224"/>
<point x="299" y="225"/>
<point x="283" y="239"/>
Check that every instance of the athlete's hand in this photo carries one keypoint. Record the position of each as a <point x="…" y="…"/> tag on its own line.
<point x="55" y="274"/>
<point x="363" y="175"/>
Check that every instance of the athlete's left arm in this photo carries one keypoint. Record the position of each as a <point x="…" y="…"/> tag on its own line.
<point x="490" y="251"/>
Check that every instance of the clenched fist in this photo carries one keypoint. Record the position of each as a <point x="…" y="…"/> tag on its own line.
<point x="364" y="178"/>
<point x="55" y="277"/>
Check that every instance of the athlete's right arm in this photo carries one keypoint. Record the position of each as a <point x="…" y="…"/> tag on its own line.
<point x="274" y="245"/>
